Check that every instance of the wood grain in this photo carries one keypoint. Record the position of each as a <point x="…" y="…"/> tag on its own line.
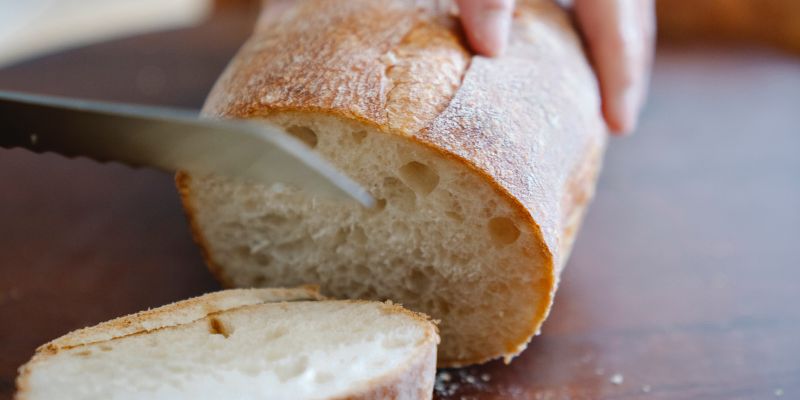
<point x="768" y="22"/>
<point x="684" y="282"/>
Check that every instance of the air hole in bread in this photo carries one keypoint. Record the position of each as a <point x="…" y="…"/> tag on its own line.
<point x="292" y="245"/>
<point x="454" y="215"/>
<point x="273" y="220"/>
<point x="359" y="136"/>
<point x="361" y="270"/>
<point x="419" y="282"/>
<point x="291" y="368"/>
<point x="217" y="327"/>
<point x="380" y="205"/>
<point x="341" y="237"/>
<point x="306" y="135"/>
<point x="258" y="281"/>
<point x="357" y="235"/>
<point x="275" y="333"/>
<point x="444" y="307"/>
<point x="503" y="231"/>
<point x="370" y="293"/>
<point x="420" y="177"/>
<point x="455" y="210"/>
<point x="399" y="195"/>
<point x="262" y="259"/>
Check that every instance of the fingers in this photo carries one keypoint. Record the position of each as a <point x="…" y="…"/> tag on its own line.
<point x="620" y="37"/>
<point x="486" y="23"/>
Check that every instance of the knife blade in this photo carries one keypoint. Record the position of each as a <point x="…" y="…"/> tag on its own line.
<point x="169" y="140"/>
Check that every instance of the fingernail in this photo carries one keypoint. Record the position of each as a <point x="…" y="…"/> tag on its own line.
<point x="496" y="25"/>
<point x="628" y="111"/>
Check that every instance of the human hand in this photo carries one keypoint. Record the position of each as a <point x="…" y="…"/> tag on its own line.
<point x="620" y="35"/>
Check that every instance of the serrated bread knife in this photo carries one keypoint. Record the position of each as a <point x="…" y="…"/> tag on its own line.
<point x="168" y="140"/>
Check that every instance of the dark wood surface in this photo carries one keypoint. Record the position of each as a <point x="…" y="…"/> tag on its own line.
<point x="684" y="283"/>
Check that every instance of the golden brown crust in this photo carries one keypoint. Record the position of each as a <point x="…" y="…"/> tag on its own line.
<point x="579" y="192"/>
<point x="367" y="60"/>
<point x="23" y="386"/>
<point x="529" y="123"/>
<point x="178" y="313"/>
<point x="182" y="183"/>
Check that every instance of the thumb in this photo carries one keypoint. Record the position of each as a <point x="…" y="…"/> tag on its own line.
<point x="486" y="23"/>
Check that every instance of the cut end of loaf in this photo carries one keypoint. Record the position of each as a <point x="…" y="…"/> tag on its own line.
<point x="300" y="349"/>
<point x="442" y="239"/>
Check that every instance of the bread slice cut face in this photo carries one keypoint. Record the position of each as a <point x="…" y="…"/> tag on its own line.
<point x="440" y="239"/>
<point x="244" y="344"/>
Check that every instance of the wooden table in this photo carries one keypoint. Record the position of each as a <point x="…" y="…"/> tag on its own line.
<point x="684" y="283"/>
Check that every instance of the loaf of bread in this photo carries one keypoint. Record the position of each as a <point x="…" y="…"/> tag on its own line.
<point x="481" y="168"/>
<point x="242" y="344"/>
<point x="771" y="22"/>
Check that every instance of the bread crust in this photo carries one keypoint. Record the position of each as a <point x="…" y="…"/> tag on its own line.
<point x="182" y="312"/>
<point x="528" y="123"/>
<point x="405" y="382"/>
<point x="182" y="182"/>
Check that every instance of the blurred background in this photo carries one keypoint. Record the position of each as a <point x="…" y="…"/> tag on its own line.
<point x="34" y="27"/>
<point x="684" y="282"/>
<point x="773" y="23"/>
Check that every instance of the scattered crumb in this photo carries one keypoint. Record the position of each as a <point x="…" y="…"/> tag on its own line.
<point x="444" y="387"/>
<point x="778" y="392"/>
<point x="599" y="371"/>
<point x="617" y="379"/>
<point x="646" y="388"/>
<point x="449" y="384"/>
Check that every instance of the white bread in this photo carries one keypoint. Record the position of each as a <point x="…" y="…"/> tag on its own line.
<point x="242" y="344"/>
<point x="482" y="167"/>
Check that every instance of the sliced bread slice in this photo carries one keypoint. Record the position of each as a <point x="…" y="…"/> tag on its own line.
<point x="243" y="344"/>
